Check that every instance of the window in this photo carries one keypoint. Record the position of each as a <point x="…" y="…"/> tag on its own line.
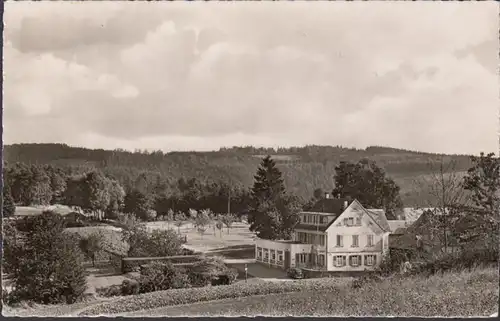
<point x="300" y="258"/>
<point x="303" y="218"/>
<point x="358" y="221"/>
<point x="280" y="256"/>
<point x="322" y="240"/>
<point x="273" y="254"/>
<point x="339" y="260"/>
<point x="259" y="253"/>
<point x="351" y="221"/>
<point x="266" y="254"/>
<point x="339" y="241"/>
<point x="321" y="260"/>
<point x="370" y="260"/>
<point x="369" y="240"/>
<point x="355" y="260"/>
<point x="355" y="241"/>
<point x="346" y="220"/>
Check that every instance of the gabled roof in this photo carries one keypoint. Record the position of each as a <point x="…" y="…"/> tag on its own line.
<point x="412" y="214"/>
<point x="379" y="217"/>
<point x="397" y="224"/>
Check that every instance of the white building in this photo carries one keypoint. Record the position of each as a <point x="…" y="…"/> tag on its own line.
<point x="336" y="235"/>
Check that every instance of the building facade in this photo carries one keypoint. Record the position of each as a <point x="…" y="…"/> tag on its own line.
<point x="335" y="235"/>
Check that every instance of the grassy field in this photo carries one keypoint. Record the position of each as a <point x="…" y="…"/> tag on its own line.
<point x="238" y="235"/>
<point x="111" y="234"/>
<point x="37" y="210"/>
<point x="451" y="294"/>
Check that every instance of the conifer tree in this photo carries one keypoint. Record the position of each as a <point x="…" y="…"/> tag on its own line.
<point x="273" y="213"/>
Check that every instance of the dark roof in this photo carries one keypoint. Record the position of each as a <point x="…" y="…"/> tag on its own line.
<point x="326" y="206"/>
<point x="329" y="205"/>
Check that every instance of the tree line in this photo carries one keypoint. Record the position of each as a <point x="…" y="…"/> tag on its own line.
<point x="304" y="168"/>
<point x="103" y="196"/>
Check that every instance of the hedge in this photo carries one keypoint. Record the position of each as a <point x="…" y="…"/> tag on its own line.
<point x="129" y="264"/>
<point x="191" y="295"/>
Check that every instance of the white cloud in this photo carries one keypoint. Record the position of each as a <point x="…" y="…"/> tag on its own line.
<point x="346" y="73"/>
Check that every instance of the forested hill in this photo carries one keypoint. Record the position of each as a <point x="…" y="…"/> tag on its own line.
<point x="304" y="168"/>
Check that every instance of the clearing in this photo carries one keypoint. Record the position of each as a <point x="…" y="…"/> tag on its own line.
<point x="238" y="235"/>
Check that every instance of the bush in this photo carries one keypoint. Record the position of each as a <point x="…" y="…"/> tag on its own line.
<point x="113" y="290"/>
<point x="368" y="278"/>
<point x="192" y="295"/>
<point x="211" y="270"/>
<point x="49" y="267"/>
<point x="159" y="276"/>
<point x="467" y="260"/>
<point x="130" y="287"/>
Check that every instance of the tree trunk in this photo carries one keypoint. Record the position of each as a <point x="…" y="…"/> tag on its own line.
<point x="93" y="259"/>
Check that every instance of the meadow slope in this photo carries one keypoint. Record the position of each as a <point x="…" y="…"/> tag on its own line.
<point x="451" y="294"/>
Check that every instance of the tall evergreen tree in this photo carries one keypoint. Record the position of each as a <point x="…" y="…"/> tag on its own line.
<point x="272" y="212"/>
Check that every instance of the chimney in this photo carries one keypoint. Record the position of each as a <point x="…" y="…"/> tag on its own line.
<point x="327" y="195"/>
<point x="345" y="204"/>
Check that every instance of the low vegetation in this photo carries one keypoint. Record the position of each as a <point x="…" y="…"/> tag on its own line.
<point x="159" y="276"/>
<point x="464" y="294"/>
<point x="191" y="295"/>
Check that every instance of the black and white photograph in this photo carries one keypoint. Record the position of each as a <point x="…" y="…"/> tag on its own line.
<point x="250" y="158"/>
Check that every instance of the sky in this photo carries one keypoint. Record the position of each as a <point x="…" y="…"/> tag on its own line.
<point x="203" y="75"/>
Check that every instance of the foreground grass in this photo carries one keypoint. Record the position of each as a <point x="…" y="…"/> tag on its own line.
<point x="451" y="294"/>
<point x="193" y="295"/>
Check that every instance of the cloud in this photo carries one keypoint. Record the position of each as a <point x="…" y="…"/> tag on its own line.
<point x="399" y="74"/>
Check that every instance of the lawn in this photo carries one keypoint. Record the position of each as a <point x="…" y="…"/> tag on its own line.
<point x="238" y="235"/>
<point x="462" y="294"/>
<point x="112" y="236"/>
<point x="37" y="210"/>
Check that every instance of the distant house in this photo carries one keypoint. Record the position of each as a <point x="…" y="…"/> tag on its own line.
<point x="335" y="235"/>
<point x="421" y="237"/>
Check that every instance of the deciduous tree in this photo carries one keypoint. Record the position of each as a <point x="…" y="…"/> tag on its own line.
<point x="483" y="181"/>
<point x="367" y="183"/>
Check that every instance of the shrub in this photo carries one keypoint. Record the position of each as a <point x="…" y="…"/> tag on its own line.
<point x="466" y="260"/>
<point x="113" y="290"/>
<point x="159" y="276"/>
<point x="368" y="278"/>
<point x="129" y="287"/>
<point x="211" y="270"/>
<point x="49" y="267"/>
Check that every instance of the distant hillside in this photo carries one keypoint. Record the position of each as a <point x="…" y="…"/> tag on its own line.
<point x="304" y="168"/>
